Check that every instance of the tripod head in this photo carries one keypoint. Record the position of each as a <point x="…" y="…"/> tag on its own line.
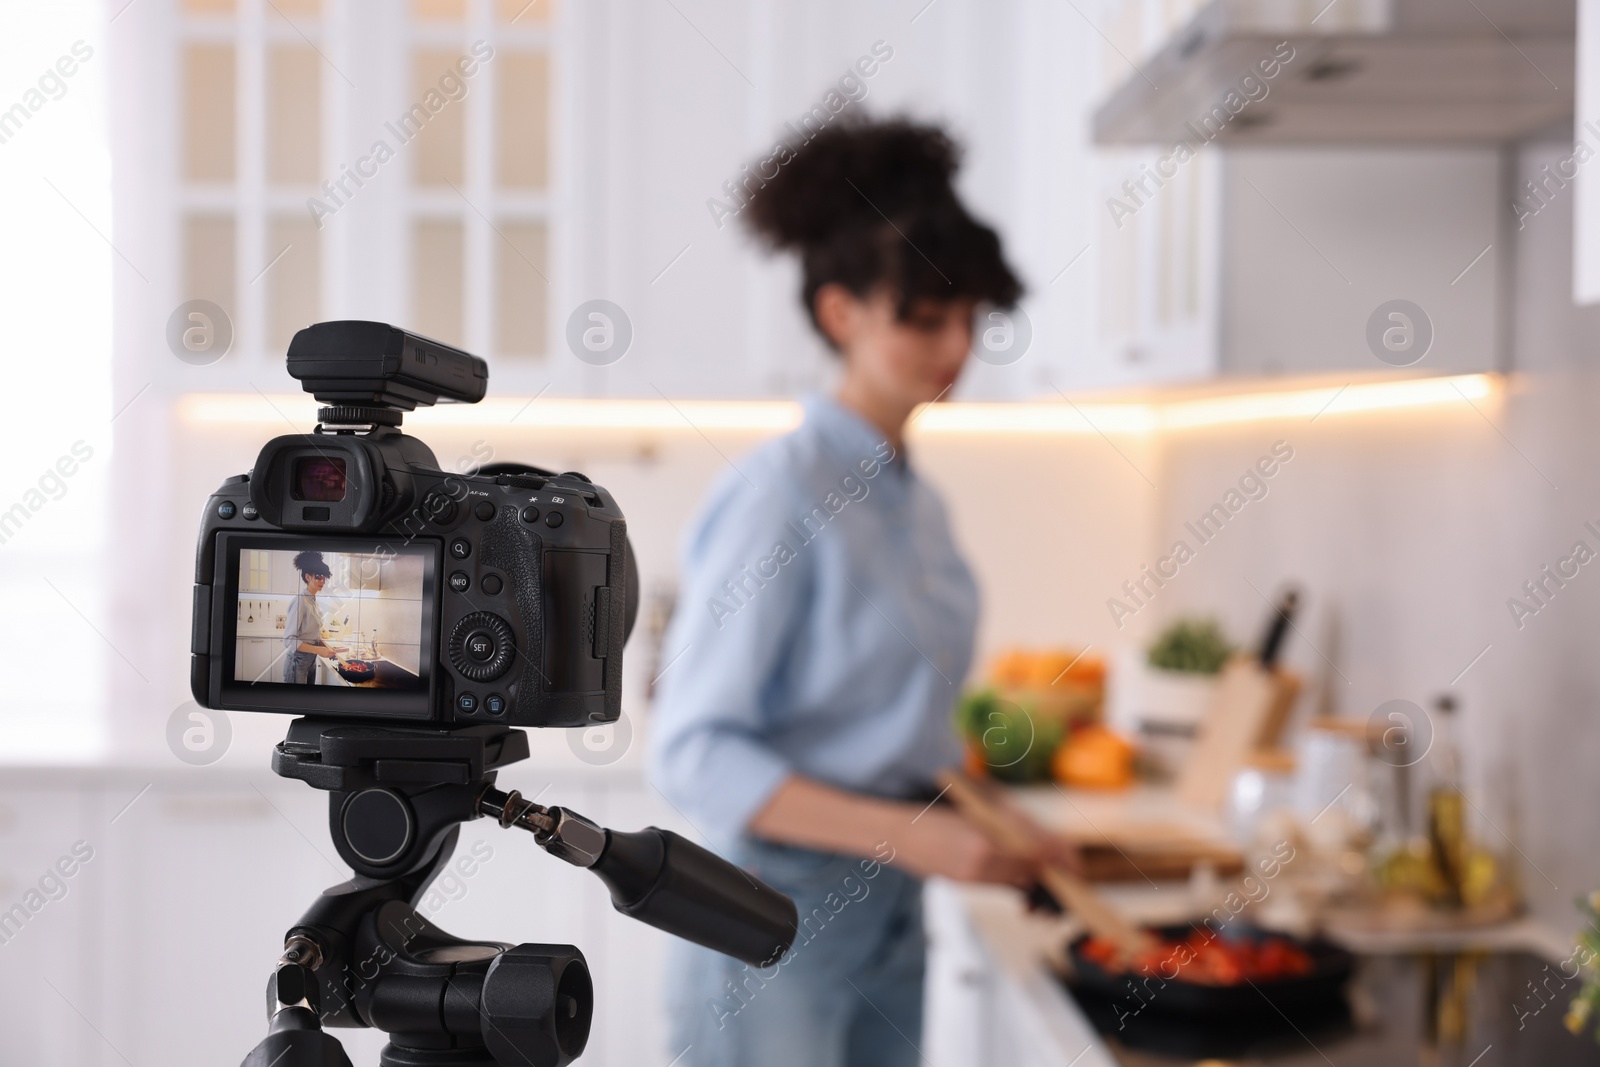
<point x="363" y="956"/>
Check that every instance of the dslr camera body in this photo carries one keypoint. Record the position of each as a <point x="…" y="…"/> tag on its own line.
<point x="501" y="596"/>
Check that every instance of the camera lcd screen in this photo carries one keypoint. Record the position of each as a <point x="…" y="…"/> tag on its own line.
<point x="340" y="620"/>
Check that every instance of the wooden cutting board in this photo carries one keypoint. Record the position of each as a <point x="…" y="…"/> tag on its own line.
<point x="1114" y="861"/>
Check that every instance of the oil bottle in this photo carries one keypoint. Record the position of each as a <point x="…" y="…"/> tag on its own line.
<point x="1447" y="818"/>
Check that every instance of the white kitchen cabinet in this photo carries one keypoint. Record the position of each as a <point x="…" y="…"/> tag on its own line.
<point x="1308" y="205"/>
<point x="258" y="656"/>
<point x="958" y="984"/>
<point x="652" y="113"/>
<point x="992" y="1001"/>
<point x="1271" y="261"/>
<point x="1586" y="191"/>
<point x="1314" y="241"/>
<point x="51" y="927"/>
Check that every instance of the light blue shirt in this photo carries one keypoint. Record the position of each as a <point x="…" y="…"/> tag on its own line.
<point x="824" y="626"/>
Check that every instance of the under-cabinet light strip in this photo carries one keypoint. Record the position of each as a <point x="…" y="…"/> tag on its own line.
<point x="296" y="411"/>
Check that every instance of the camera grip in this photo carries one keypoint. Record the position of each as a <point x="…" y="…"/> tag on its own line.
<point x="671" y="883"/>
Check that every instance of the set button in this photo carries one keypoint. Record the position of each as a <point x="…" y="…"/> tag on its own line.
<point x="481" y="647"/>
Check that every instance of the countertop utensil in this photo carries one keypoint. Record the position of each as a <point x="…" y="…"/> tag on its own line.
<point x="1070" y="891"/>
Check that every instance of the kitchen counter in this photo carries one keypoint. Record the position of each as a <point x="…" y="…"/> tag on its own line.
<point x="984" y="941"/>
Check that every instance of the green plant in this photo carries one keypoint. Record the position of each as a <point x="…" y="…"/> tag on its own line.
<point x="1193" y="645"/>
<point x="1014" y="742"/>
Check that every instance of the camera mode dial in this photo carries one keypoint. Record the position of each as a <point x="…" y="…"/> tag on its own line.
<point x="481" y="646"/>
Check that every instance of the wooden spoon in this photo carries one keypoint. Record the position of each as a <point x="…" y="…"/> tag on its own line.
<point x="1072" y="892"/>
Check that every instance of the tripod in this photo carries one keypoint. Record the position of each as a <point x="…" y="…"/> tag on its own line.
<point x="363" y="956"/>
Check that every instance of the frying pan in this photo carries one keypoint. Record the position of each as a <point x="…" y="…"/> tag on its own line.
<point x="355" y="670"/>
<point x="1322" y="986"/>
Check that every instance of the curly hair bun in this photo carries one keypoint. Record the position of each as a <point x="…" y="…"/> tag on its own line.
<point x="870" y="205"/>
<point x="312" y="563"/>
<point x="852" y="173"/>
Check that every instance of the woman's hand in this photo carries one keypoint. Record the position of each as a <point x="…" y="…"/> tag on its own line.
<point x="327" y="651"/>
<point x="924" y="840"/>
<point x="942" y="842"/>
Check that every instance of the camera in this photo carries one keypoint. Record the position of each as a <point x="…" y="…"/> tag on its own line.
<point x="348" y="576"/>
<point x="414" y="619"/>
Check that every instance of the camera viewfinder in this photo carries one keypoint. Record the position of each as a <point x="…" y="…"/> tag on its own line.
<point x="319" y="478"/>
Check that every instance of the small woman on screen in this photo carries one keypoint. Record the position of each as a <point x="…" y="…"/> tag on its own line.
<point x="302" y="630"/>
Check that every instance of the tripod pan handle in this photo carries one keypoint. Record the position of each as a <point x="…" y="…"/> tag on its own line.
<point x="673" y="884"/>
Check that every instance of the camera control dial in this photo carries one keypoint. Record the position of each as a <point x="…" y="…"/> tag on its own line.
<point x="481" y="646"/>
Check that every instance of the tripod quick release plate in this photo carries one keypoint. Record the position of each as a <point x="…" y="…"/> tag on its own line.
<point x="340" y="758"/>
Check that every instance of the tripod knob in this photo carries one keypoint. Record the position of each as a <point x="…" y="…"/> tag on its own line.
<point x="536" y="1006"/>
<point x="296" y="1039"/>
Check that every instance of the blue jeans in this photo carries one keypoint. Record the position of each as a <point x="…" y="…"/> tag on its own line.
<point x="849" y="994"/>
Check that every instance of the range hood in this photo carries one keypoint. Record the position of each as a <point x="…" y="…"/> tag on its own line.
<point x="1362" y="72"/>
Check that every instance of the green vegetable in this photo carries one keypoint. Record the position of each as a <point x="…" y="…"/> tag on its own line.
<point x="1015" y="741"/>
<point x="1192" y="645"/>
<point x="1582" y="1009"/>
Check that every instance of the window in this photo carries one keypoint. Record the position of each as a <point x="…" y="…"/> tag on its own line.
<point x="254" y="577"/>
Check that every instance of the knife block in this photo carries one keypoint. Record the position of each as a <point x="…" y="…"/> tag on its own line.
<point x="1248" y="712"/>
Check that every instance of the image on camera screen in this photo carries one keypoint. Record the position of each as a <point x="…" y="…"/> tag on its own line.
<point x="318" y="617"/>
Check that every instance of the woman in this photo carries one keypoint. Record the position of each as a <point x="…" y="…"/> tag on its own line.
<point x="826" y="620"/>
<point x="302" y="629"/>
